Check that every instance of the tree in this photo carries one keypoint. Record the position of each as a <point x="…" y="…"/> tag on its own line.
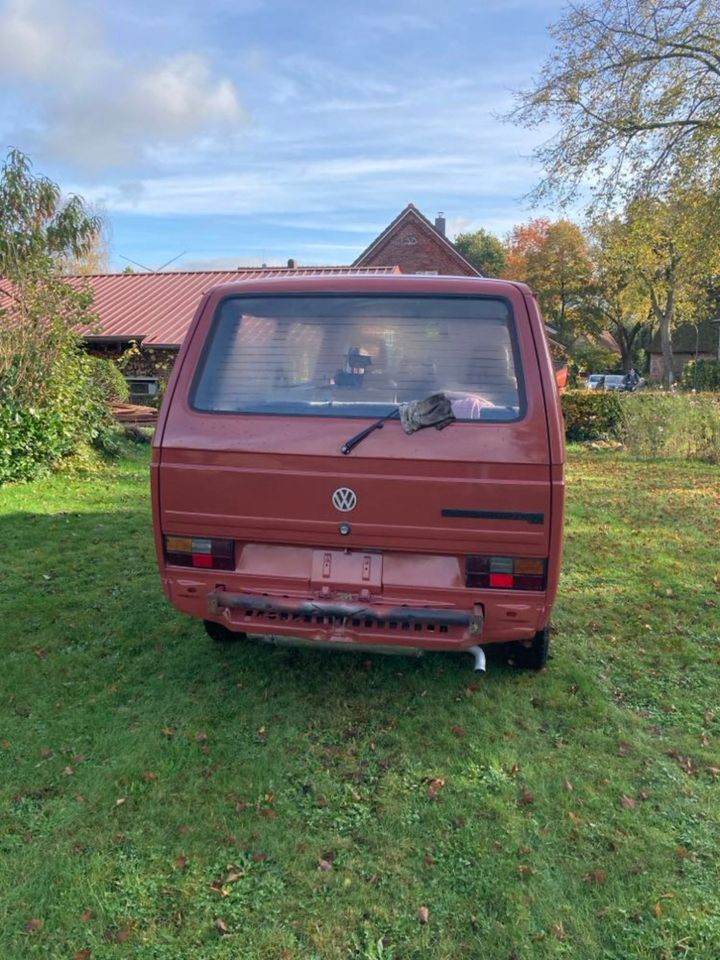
<point x="38" y="227"/>
<point x="483" y="250"/>
<point x="620" y="297"/>
<point x="95" y="257"/>
<point x="553" y="259"/>
<point x="673" y="248"/>
<point x="634" y="89"/>
<point x="49" y="399"/>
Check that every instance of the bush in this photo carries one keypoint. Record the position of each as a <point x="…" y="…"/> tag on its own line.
<point x="71" y="410"/>
<point x="591" y="415"/>
<point x="106" y="376"/>
<point x="672" y="425"/>
<point x="701" y="375"/>
<point x="52" y="399"/>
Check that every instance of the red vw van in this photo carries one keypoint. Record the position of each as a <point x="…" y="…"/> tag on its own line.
<point x="290" y="502"/>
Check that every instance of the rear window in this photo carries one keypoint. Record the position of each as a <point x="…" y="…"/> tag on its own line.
<point x="360" y="356"/>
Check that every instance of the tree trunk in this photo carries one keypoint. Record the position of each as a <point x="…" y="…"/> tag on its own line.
<point x="664" y="317"/>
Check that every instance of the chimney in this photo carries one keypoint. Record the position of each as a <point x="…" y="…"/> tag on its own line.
<point x="440" y="223"/>
<point x="292" y="263"/>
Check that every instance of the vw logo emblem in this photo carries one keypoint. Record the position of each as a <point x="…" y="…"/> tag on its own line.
<point x="344" y="499"/>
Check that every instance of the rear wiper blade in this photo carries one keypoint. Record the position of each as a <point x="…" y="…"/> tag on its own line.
<point x="378" y="425"/>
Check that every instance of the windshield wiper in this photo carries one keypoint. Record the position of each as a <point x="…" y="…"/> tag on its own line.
<point x="378" y="425"/>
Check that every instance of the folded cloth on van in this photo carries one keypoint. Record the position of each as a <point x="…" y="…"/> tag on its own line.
<point x="434" y="411"/>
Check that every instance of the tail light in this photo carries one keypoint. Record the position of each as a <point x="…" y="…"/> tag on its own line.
<point x="505" y="573"/>
<point x="212" y="554"/>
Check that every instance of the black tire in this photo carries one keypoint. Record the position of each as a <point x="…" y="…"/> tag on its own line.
<point x="221" y="634"/>
<point x="534" y="657"/>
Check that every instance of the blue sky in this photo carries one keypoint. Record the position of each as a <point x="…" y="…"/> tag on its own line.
<point x="250" y="131"/>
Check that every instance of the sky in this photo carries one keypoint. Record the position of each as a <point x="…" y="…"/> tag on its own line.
<point x="242" y="132"/>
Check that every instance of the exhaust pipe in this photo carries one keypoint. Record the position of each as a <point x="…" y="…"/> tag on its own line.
<point x="479" y="655"/>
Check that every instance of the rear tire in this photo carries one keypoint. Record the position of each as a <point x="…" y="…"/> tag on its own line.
<point x="221" y="634"/>
<point x="535" y="656"/>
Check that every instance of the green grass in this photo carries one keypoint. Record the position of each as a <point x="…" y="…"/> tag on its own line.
<point x="154" y="783"/>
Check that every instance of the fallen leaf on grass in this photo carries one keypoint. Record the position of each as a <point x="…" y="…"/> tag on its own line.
<point x="45" y="753"/>
<point x="658" y="910"/>
<point x="116" y="936"/>
<point x="149" y="776"/>
<point x="526" y="798"/>
<point x="181" y="862"/>
<point x="34" y="924"/>
<point x="525" y="871"/>
<point x="458" y="731"/>
<point x="423" y="915"/>
<point x="40" y="652"/>
<point x="624" y="748"/>
<point x="434" y="787"/>
<point x="568" y="787"/>
<point x="120" y="801"/>
<point x="68" y="771"/>
<point x="628" y="802"/>
<point x="221" y="927"/>
<point x="168" y="731"/>
<point x="200" y="737"/>
<point x="558" y="931"/>
<point x="687" y="763"/>
<point x="259" y="857"/>
<point x="88" y="915"/>
<point x="596" y="876"/>
<point x="82" y="954"/>
<point x="324" y="865"/>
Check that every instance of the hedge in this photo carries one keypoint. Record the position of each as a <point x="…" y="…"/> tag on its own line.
<point x="701" y="375"/>
<point x="649" y="423"/>
<point x="591" y="415"/>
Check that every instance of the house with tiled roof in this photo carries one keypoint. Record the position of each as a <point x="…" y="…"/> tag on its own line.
<point x="416" y="245"/>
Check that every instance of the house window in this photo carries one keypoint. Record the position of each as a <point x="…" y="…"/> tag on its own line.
<point x="142" y="388"/>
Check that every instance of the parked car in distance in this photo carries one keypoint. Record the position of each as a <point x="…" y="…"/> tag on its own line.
<point x="614" y="381"/>
<point x="295" y="501"/>
<point x="595" y="381"/>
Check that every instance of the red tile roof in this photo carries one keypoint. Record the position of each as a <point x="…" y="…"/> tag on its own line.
<point x="156" y="308"/>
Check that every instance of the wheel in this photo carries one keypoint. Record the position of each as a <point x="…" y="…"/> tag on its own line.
<point x="216" y="631"/>
<point x="536" y="655"/>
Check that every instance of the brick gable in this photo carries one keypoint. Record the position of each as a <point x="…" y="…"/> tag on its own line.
<point x="412" y="243"/>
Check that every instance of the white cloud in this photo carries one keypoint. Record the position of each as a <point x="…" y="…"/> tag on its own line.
<point x="95" y="109"/>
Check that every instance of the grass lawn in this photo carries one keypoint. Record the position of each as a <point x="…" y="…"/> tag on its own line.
<point x="166" y="797"/>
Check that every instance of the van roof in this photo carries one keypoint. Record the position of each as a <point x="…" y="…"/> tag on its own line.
<point x="394" y="283"/>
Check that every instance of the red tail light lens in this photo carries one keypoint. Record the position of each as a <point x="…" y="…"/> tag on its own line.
<point x="203" y="552"/>
<point x="505" y="573"/>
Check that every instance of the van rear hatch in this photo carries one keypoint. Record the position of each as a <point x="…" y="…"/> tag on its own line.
<point x="276" y="376"/>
